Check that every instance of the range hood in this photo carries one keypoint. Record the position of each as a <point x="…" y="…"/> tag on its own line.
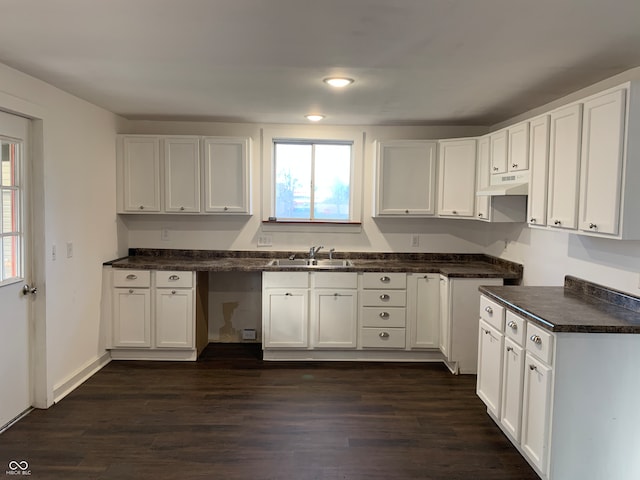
<point x="505" y="189"/>
<point x="516" y="183"/>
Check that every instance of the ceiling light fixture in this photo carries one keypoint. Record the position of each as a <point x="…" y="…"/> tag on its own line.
<point x="314" y="118"/>
<point x="338" y="82"/>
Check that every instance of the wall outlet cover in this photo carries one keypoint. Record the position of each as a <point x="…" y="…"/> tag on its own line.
<point x="248" y="334"/>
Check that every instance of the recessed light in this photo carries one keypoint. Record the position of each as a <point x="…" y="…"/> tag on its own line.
<point x="314" y="118"/>
<point x="338" y="82"/>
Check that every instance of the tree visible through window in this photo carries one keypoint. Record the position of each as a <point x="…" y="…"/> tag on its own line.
<point x="10" y="196"/>
<point x="312" y="180"/>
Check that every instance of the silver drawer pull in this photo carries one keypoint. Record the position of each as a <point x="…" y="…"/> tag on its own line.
<point x="384" y="297"/>
<point x="385" y="279"/>
<point x="489" y="310"/>
<point x="533" y="367"/>
<point x="131" y="276"/>
<point x="174" y="277"/>
<point x="536" y="339"/>
<point x="384" y="335"/>
<point x="512" y="325"/>
<point x="384" y="315"/>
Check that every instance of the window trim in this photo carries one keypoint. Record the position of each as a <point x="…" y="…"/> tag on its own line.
<point x="18" y="189"/>
<point x="318" y="135"/>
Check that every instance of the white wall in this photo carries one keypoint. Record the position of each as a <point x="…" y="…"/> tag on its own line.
<point x="239" y="233"/>
<point x="78" y="147"/>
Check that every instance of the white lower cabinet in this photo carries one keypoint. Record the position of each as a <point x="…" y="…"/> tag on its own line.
<point x="285" y="309"/>
<point x="489" y="382"/>
<point x="334" y="310"/>
<point x="153" y="313"/>
<point x="423" y="309"/>
<point x="512" y="378"/>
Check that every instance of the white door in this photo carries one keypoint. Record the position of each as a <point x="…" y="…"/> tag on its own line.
<point x="15" y="270"/>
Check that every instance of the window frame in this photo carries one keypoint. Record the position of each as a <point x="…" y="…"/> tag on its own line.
<point x="312" y="135"/>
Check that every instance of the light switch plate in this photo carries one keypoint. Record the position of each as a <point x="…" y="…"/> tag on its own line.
<point x="415" y="240"/>
<point x="69" y="249"/>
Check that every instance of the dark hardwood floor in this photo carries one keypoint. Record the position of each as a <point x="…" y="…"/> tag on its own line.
<point x="232" y="416"/>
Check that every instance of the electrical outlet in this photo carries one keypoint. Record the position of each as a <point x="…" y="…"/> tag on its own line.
<point x="415" y="240"/>
<point x="265" y="241"/>
<point x="164" y="234"/>
<point x="69" y="249"/>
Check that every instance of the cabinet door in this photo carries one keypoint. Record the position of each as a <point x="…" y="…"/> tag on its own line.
<point x="226" y="171"/>
<point x="182" y="175"/>
<point x="539" y="158"/>
<point x="536" y="408"/>
<point x="141" y="174"/>
<point x="423" y="308"/>
<point x="457" y="178"/>
<point x="335" y="318"/>
<point x="445" y="319"/>
<point x="174" y="320"/>
<point x="406" y="178"/>
<point x="564" y="166"/>
<point x="483" y="175"/>
<point x="512" y="378"/>
<point x="601" y="163"/>
<point x="489" y="381"/>
<point x="518" y="151"/>
<point x="499" y="146"/>
<point x="286" y="317"/>
<point x="131" y="317"/>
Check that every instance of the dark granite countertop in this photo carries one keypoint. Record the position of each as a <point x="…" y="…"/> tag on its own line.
<point x="578" y="307"/>
<point x="450" y="265"/>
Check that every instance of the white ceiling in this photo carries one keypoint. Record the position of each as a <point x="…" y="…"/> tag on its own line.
<point x="414" y="61"/>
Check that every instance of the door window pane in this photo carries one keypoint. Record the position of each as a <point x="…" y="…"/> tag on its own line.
<point x="10" y="257"/>
<point x="10" y="212"/>
<point x="9" y="170"/>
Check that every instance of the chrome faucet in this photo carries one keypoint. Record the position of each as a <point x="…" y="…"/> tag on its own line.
<point x="313" y="251"/>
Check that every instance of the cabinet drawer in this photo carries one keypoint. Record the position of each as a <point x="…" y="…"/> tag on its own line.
<point x="335" y="280"/>
<point x="539" y="343"/>
<point x="285" y="279"/>
<point x="383" y="337"/>
<point x="492" y="313"/>
<point x="384" y="317"/>
<point x="131" y="278"/>
<point x="384" y="280"/>
<point x="170" y="279"/>
<point x="515" y="328"/>
<point x="381" y="298"/>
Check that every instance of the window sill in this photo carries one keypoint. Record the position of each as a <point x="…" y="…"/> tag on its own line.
<point x="315" y="226"/>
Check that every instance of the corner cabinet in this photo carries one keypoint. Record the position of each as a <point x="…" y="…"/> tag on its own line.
<point x="457" y="178"/>
<point x="405" y="178"/>
<point x="161" y="174"/>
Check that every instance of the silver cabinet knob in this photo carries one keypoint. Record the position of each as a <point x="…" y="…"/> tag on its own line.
<point x="406" y="211"/>
<point x="181" y="208"/>
<point x="384" y="315"/>
<point x="509" y="349"/>
<point x="455" y="212"/>
<point x="174" y="277"/>
<point x="132" y="276"/>
<point x="384" y="297"/>
<point x="336" y="294"/>
<point x="226" y="208"/>
<point x="480" y="215"/>
<point x="557" y="222"/>
<point x="536" y="339"/>
<point x="173" y="292"/>
<point x="131" y="290"/>
<point x="28" y="290"/>
<point x="287" y="294"/>
<point x="141" y="207"/>
<point x="495" y="169"/>
<point x="532" y="367"/>
<point x="532" y="220"/>
<point x="384" y="335"/>
<point x="593" y="226"/>
<point x="489" y="310"/>
<point x="514" y="165"/>
<point x="385" y="279"/>
<point x="512" y="325"/>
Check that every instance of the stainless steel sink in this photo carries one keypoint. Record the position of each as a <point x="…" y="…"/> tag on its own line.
<point x="309" y="263"/>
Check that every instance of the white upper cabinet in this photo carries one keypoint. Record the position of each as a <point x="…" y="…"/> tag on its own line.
<point x="140" y="180"/>
<point x="405" y="183"/>
<point x="483" y="175"/>
<point x="564" y="166"/>
<point x="499" y="151"/>
<point x="226" y="175"/>
<point x="518" y="151"/>
<point x="182" y="174"/>
<point x="539" y="168"/>
<point x="602" y="162"/>
<point x="457" y="177"/>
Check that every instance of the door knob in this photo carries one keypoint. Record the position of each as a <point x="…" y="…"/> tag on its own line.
<point x="26" y="290"/>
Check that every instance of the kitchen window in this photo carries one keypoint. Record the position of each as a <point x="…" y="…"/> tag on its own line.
<point x="313" y="179"/>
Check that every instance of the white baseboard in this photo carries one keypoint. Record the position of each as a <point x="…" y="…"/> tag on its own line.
<point x="65" y="387"/>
